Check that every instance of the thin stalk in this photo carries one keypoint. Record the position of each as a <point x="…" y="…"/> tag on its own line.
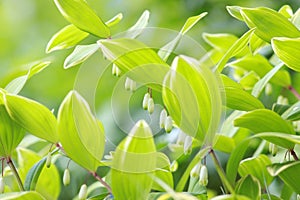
<point x="102" y="181"/>
<point x="225" y="182"/>
<point x="293" y="153"/>
<point x="15" y="172"/>
<point x="294" y="91"/>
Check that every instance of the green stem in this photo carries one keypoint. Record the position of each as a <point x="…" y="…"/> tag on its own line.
<point x="15" y="172"/>
<point x="225" y="182"/>
<point x="294" y="91"/>
<point x="96" y="176"/>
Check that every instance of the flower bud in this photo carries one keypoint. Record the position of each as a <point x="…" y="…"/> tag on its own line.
<point x="83" y="192"/>
<point x="187" y="146"/>
<point x="162" y="118"/>
<point x="203" y="178"/>
<point x="48" y="161"/>
<point x="174" y="166"/>
<point x="114" y="69"/>
<point x="132" y="86"/>
<point x="150" y="105"/>
<point x="196" y="170"/>
<point x="168" y="124"/>
<point x="2" y="185"/>
<point x="181" y="137"/>
<point x="298" y="196"/>
<point x="268" y="89"/>
<point x="127" y="83"/>
<point x="118" y="71"/>
<point x="273" y="149"/>
<point x="145" y="101"/>
<point x="66" y="177"/>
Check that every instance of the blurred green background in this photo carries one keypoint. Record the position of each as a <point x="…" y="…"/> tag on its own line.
<point x="27" y="26"/>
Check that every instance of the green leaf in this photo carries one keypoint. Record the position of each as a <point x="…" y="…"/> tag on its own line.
<point x="287" y="50"/>
<point x="22" y="196"/>
<point x="189" y="81"/>
<point x="288" y="172"/>
<point x="261" y="66"/>
<point x="190" y="22"/>
<point x="11" y="133"/>
<point x="237" y="98"/>
<point x="80" y="133"/>
<point x="249" y="80"/>
<point x="34" y="174"/>
<point x="16" y="85"/>
<point x="83" y="17"/>
<point x="235" y="11"/>
<point x="134" y="163"/>
<point x="292" y="113"/>
<point x="139" y="26"/>
<point x="296" y="19"/>
<point x="230" y="197"/>
<point x="249" y="186"/>
<point x="66" y="38"/>
<point x="115" y="20"/>
<point x="257" y="167"/>
<point x="259" y="86"/>
<point x="32" y="116"/>
<point x="281" y="139"/>
<point x="167" y="49"/>
<point x="263" y="120"/>
<point x="286" y="11"/>
<point x="80" y="54"/>
<point x="236" y="48"/>
<point x="164" y="175"/>
<point x="220" y="41"/>
<point x="224" y="144"/>
<point x="269" y="23"/>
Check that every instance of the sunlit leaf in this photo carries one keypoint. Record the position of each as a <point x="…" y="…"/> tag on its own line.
<point x="261" y="67"/>
<point x="16" y="85"/>
<point x="250" y="187"/>
<point x="133" y="164"/>
<point x="66" y="38"/>
<point x="264" y="120"/>
<point x="115" y="20"/>
<point x="189" y="82"/>
<point x="80" y="133"/>
<point x="257" y="167"/>
<point x="139" y="26"/>
<point x="224" y="144"/>
<point x="220" y="41"/>
<point x="11" y="133"/>
<point x="34" y="174"/>
<point x="286" y="11"/>
<point x="292" y="113"/>
<point x="32" y="116"/>
<point x="281" y="139"/>
<point x="190" y="22"/>
<point x="83" y="17"/>
<point x="296" y="19"/>
<point x="269" y="23"/>
<point x="230" y="197"/>
<point x="287" y="50"/>
<point x="235" y="11"/>
<point x="288" y="172"/>
<point x="22" y="196"/>
<point x="237" y="98"/>
<point x="80" y="54"/>
<point x="165" y="176"/>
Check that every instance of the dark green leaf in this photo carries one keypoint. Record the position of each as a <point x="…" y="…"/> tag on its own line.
<point x="292" y="113"/>
<point x="249" y="186"/>
<point x="34" y="174"/>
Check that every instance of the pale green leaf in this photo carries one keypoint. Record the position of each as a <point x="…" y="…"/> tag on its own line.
<point x="286" y="11"/>
<point x="296" y="18"/>
<point x="237" y="98"/>
<point x="165" y="176"/>
<point x="11" y="133"/>
<point x="224" y="143"/>
<point x="83" y="17"/>
<point x="22" y="196"/>
<point x="66" y="38"/>
<point x="257" y="167"/>
<point x="269" y="23"/>
<point x="80" y="54"/>
<point x="190" y="22"/>
<point x="288" y="172"/>
<point x="134" y="164"/>
<point x="80" y="133"/>
<point x="263" y="120"/>
<point x="139" y="26"/>
<point x="230" y="197"/>
<point x="235" y="11"/>
<point x="220" y="41"/>
<point x="287" y="50"/>
<point x="261" y="66"/>
<point x="17" y="84"/>
<point x="115" y="20"/>
<point x="292" y="113"/>
<point x="256" y="44"/>
<point x="249" y="186"/>
<point x="236" y="48"/>
<point x="249" y="80"/>
<point x="284" y="140"/>
<point x="32" y="116"/>
<point x="259" y="86"/>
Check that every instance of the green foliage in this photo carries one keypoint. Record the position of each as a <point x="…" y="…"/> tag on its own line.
<point x="194" y="90"/>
